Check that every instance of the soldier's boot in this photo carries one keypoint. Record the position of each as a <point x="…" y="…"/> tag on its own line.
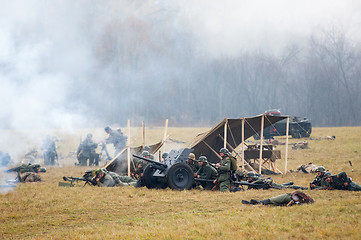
<point x="245" y="202"/>
<point x="254" y="202"/>
<point x="266" y="201"/>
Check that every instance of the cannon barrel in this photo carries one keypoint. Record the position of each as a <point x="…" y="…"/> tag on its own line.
<point x="152" y="161"/>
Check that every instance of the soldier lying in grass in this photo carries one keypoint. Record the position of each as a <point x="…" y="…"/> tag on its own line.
<point x="287" y="199"/>
<point x="338" y="182"/>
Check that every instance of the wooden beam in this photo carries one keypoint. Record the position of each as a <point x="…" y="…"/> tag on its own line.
<point x="261" y="144"/>
<point x="286" y="152"/>
<point x="143" y="127"/>
<point x="219" y="156"/>
<point x="225" y="132"/>
<point x="230" y="147"/>
<point x="242" y="154"/>
<point x="128" y="123"/>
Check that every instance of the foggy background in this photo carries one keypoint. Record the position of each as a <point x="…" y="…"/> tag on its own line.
<point x="77" y="64"/>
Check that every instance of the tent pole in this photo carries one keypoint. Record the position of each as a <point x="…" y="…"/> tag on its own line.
<point x="242" y="154"/>
<point x="165" y="134"/>
<point x="286" y="151"/>
<point x="128" y="123"/>
<point x="143" y="126"/>
<point x="225" y="133"/>
<point x="261" y="145"/>
<point x="230" y="147"/>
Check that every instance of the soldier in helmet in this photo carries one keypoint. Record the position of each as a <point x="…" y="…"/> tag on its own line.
<point x="224" y="171"/>
<point x="164" y="156"/>
<point x="86" y="150"/>
<point x="147" y="148"/>
<point x="30" y="172"/>
<point x="141" y="164"/>
<point x="253" y="178"/>
<point x="287" y="199"/>
<point x="49" y="150"/>
<point x="339" y="182"/>
<point x="117" y="138"/>
<point x="104" y="179"/>
<point x="191" y="161"/>
<point x="206" y="172"/>
<point x="316" y="183"/>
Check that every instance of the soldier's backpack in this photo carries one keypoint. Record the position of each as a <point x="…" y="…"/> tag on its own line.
<point x="233" y="163"/>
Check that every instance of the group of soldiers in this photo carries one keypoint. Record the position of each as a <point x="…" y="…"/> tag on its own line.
<point x="86" y="153"/>
<point x="324" y="180"/>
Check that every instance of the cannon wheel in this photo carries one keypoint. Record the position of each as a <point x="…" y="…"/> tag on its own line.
<point x="180" y="176"/>
<point x="150" y="180"/>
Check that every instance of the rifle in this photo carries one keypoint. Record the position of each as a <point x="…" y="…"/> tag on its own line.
<point x="253" y="185"/>
<point x="75" y="179"/>
<point x="204" y="180"/>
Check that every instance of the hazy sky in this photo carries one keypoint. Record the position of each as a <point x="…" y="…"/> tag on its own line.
<point x="47" y="47"/>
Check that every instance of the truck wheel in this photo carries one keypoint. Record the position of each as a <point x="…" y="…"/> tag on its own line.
<point x="180" y="176"/>
<point x="150" y="180"/>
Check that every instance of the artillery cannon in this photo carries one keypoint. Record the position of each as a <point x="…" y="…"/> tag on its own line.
<point x="173" y="172"/>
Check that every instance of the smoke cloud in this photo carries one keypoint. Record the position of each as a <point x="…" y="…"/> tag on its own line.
<point x="66" y="64"/>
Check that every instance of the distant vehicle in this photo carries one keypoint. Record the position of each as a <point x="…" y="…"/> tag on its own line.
<point x="299" y="127"/>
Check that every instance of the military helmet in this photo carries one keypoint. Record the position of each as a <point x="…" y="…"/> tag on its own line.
<point x="145" y="153"/>
<point x="164" y="155"/>
<point x="89" y="135"/>
<point x="327" y="174"/>
<point x="251" y="174"/>
<point x="224" y="150"/>
<point x="146" y="148"/>
<point x="42" y="169"/>
<point x="107" y="129"/>
<point x="321" y="169"/>
<point x="203" y="159"/>
<point x="192" y="156"/>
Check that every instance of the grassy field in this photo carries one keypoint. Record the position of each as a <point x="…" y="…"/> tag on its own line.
<point x="46" y="211"/>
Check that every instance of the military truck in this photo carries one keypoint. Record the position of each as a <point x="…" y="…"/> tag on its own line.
<point x="299" y="127"/>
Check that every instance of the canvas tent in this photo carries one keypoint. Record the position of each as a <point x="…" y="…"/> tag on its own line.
<point x="208" y="144"/>
<point x="119" y="164"/>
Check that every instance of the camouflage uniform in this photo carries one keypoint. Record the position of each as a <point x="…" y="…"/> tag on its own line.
<point x="26" y="168"/>
<point x="86" y="150"/>
<point x="30" y="177"/>
<point x="224" y="177"/>
<point x="207" y="172"/>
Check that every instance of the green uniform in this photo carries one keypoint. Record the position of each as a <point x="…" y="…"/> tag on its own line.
<point x="122" y="180"/>
<point x="224" y="177"/>
<point x="106" y="181"/>
<point x="282" y="199"/>
<point x="86" y="150"/>
<point x="317" y="181"/>
<point x="339" y="180"/>
<point x="117" y="139"/>
<point x="49" y="149"/>
<point x="30" y="177"/>
<point x="352" y="186"/>
<point x="207" y="172"/>
<point x="26" y="168"/>
<point x="271" y="184"/>
<point x="194" y="165"/>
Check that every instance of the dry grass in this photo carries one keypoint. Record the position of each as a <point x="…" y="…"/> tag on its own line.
<point x="46" y="211"/>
